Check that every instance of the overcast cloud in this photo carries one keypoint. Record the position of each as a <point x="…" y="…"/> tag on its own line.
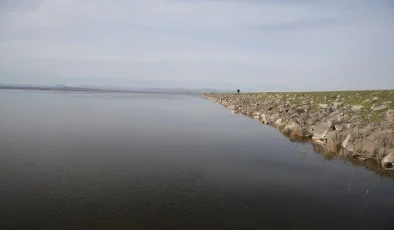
<point x="225" y="44"/>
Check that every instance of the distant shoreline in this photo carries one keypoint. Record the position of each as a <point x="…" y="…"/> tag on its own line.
<point x="81" y="89"/>
<point x="355" y="124"/>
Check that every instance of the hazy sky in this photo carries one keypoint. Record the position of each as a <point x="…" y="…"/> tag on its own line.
<point x="224" y="44"/>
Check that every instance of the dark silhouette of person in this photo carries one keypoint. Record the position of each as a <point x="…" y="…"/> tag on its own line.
<point x="238" y="90"/>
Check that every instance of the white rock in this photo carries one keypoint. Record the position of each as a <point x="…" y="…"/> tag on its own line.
<point x="388" y="161"/>
<point x="322" y="129"/>
<point x="346" y="145"/>
<point x="263" y="119"/>
<point x="278" y="122"/>
<point x="337" y="104"/>
<point x="380" y="107"/>
<point x="323" y="106"/>
<point x="357" y="107"/>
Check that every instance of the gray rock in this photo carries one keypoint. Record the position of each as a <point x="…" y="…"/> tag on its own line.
<point x="380" y="107"/>
<point x="294" y="115"/>
<point x="300" y="110"/>
<point x="365" y="101"/>
<point x="279" y="122"/>
<point x="300" y="121"/>
<point x="339" y="127"/>
<point x="346" y="145"/>
<point x="375" y="98"/>
<point x="263" y="119"/>
<point x="373" y="106"/>
<point x="388" y="161"/>
<point x="310" y="130"/>
<point x="323" y="106"/>
<point x="337" y="104"/>
<point x="357" y="107"/>
<point x="389" y="117"/>
<point x="321" y="130"/>
<point x="386" y="102"/>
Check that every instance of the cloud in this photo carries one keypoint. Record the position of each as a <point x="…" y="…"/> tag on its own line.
<point x="290" y="44"/>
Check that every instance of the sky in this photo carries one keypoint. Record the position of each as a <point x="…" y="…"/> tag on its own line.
<point x="267" y="45"/>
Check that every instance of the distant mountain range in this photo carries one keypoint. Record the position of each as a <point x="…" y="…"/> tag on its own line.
<point x="89" y="88"/>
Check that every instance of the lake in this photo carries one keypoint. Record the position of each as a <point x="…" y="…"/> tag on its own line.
<point x="75" y="160"/>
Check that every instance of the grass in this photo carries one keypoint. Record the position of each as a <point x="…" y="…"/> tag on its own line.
<point x="349" y="98"/>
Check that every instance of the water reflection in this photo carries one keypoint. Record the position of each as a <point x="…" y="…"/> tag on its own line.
<point x="89" y="161"/>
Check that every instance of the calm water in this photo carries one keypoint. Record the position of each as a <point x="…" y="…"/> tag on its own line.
<point x="156" y="161"/>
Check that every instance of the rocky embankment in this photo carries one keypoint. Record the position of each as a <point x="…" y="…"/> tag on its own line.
<point x="358" y="124"/>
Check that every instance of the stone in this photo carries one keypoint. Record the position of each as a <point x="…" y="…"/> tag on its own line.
<point x="263" y="119"/>
<point x="360" y="158"/>
<point x="300" y="121"/>
<point x="373" y="106"/>
<point x="357" y="107"/>
<point x="346" y="145"/>
<point x="380" y="107"/>
<point x="294" y="115"/>
<point x="375" y="98"/>
<point x="389" y="117"/>
<point x="279" y="122"/>
<point x="337" y="104"/>
<point x="321" y="130"/>
<point x="323" y="106"/>
<point x="365" y="101"/>
<point x="388" y="161"/>
<point x="310" y="130"/>
<point x="300" y="110"/>
<point x="386" y="102"/>
<point x="339" y="127"/>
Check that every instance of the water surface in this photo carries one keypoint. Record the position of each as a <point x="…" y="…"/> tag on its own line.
<point x="159" y="161"/>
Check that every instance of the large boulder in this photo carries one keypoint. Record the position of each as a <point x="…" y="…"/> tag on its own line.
<point x="380" y="107"/>
<point x="346" y="144"/>
<point x="388" y="161"/>
<point x="279" y="122"/>
<point x="263" y="119"/>
<point x="322" y="129"/>
<point x="336" y="105"/>
<point x="357" y="107"/>
<point x="323" y="106"/>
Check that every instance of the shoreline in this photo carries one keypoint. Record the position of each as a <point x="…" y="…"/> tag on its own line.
<point x="356" y="125"/>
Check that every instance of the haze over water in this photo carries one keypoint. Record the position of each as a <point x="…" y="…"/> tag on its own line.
<point x="75" y="160"/>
